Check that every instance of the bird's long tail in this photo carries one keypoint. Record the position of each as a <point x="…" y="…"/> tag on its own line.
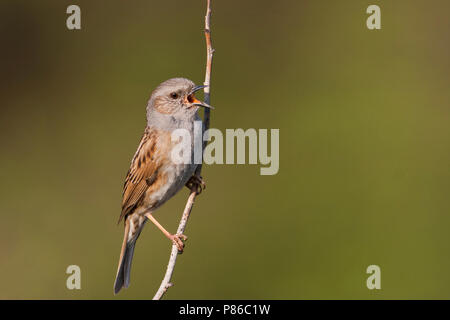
<point x="126" y="256"/>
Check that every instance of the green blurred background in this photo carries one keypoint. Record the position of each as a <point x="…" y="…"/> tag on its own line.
<point x="364" y="148"/>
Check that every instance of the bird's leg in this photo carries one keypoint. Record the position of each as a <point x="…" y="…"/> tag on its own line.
<point x="177" y="239"/>
<point x="196" y="182"/>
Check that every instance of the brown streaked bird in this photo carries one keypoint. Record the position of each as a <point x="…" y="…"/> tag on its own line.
<point x="153" y="178"/>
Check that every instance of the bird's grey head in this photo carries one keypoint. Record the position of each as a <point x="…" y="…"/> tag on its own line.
<point x="174" y="99"/>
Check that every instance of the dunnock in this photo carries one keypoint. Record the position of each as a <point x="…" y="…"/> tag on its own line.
<point x="153" y="178"/>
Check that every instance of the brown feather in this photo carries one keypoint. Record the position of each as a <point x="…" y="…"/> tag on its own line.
<point x="142" y="173"/>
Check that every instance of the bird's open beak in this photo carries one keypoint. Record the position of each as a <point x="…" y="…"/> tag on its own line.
<point x="194" y="101"/>
<point x="202" y="104"/>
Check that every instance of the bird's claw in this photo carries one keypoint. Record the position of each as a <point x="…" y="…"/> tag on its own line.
<point x="196" y="182"/>
<point x="178" y="240"/>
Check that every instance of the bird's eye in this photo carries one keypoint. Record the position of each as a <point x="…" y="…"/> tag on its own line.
<point x="174" y="95"/>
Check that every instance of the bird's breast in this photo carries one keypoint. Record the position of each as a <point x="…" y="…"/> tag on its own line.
<point x="173" y="175"/>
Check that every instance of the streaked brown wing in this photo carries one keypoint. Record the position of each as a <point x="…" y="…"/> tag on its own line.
<point x="142" y="173"/>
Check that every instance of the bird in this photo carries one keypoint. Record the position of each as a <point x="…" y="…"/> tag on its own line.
<point x="153" y="178"/>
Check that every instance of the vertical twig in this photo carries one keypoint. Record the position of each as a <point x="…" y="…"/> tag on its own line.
<point x="166" y="284"/>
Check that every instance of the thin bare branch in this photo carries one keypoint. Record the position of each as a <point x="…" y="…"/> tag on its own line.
<point x="166" y="282"/>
